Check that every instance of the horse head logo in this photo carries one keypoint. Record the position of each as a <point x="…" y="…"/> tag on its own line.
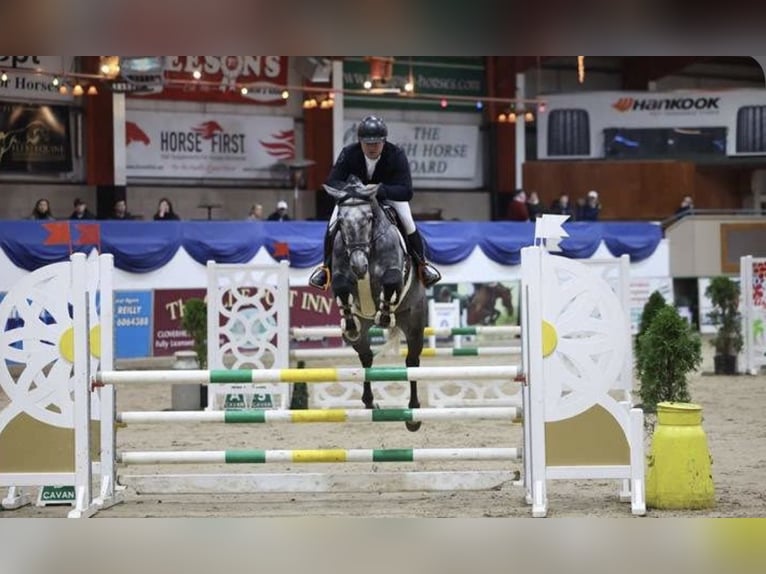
<point x="133" y="133"/>
<point x="208" y="129"/>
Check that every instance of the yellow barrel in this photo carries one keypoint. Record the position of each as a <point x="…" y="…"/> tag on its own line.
<point x="679" y="473"/>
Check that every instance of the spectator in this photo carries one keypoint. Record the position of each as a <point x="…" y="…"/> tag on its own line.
<point x="517" y="209"/>
<point x="590" y="208"/>
<point x="42" y="210"/>
<point x="165" y="211"/>
<point x="534" y="207"/>
<point x="686" y="207"/>
<point x="281" y="213"/>
<point x="256" y="212"/>
<point x="561" y="206"/>
<point x="120" y="211"/>
<point x="81" y="210"/>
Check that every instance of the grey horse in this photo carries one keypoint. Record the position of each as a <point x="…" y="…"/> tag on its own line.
<point x="374" y="281"/>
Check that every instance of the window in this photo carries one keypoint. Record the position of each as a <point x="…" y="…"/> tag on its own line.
<point x="653" y="143"/>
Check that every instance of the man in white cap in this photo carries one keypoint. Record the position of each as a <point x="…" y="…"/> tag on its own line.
<point x="590" y="209"/>
<point x="281" y="213"/>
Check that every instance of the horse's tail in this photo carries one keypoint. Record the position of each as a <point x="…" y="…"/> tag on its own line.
<point x="392" y="343"/>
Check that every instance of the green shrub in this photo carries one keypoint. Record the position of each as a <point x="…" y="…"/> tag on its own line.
<point x="194" y="320"/>
<point x="653" y="305"/>
<point x="669" y="351"/>
<point x="724" y="296"/>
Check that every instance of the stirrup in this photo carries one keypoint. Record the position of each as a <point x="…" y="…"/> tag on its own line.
<point x="320" y="278"/>
<point x="429" y="275"/>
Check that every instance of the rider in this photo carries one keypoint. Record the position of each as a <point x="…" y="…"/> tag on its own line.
<point x="374" y="160"/>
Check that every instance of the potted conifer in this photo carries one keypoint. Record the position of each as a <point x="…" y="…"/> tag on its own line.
<point x="667" y="352"/>
<point x="723" y="293"/>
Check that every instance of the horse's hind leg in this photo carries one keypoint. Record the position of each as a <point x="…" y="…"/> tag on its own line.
<point x="414" y="348"/>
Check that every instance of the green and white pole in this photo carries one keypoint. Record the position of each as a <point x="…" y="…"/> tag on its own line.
<point x="257" y="456"/>
<point x="326" y="375"/>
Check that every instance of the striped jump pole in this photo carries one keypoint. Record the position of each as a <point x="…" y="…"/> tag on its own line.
<point x="249" y="416"/>
<point x="332" y="331"/>
<point x="348" y="352"/>
<point x="257" y="456"/>
<point x="328" y="375"/>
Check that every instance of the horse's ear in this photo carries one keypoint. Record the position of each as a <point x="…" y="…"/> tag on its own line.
<point x="336" y="193"/>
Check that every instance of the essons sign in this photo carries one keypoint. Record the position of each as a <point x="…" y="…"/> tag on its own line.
<point x="221" y="79"/>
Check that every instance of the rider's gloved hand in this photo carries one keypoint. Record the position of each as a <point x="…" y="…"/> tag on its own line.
<point x="381" y="193"/>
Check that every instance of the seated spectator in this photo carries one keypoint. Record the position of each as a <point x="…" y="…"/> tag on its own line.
<point x="165" y="211"/>
<point x="42" y="210"/>
<point x="517" y="208"/>
<point x="120" y="211"/>
<point x="256" y="212"/>
<point x="281" y="213"/>
<point x="81" y="210"/>
<point x="534" y="207"/>
<point x="590" y="208"/>
<point x="686" y="207"/>
<point x="561" y="206"/>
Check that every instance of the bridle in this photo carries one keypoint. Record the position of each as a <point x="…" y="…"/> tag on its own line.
<point x="352" y="199"/>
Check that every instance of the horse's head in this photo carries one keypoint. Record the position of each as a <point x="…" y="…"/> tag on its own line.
<point x="356" y="208"/>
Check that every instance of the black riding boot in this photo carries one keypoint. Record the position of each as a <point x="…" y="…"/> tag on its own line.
<point x="320" y="277"/>
<point x="428" y="274"/>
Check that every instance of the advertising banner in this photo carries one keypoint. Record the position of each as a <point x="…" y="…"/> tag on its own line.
<point x="206" y="145"/>
<point x="132" y="324"/>
<point x="221" y="79"/>
<point x="433" y="75"/>
<point x="34" y="138"/>
<point x="436" y="151"/>
<point x="168" y="336"/>
<point x="24" y="84"/>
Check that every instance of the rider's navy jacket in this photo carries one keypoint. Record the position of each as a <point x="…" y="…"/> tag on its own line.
<point x="392" y="171"/>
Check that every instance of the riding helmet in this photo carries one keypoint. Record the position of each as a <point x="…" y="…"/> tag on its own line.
<point x="372" y="130"/>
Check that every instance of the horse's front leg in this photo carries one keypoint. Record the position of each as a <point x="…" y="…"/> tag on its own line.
<point x="365" y="358"/>
<point x="391" y="287"/>
<point x="349" y="323"/>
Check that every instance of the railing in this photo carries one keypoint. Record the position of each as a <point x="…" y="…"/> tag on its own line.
<point x="667" y="222"/>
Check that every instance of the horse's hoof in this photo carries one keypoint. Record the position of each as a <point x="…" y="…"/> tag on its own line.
<point x="413" y="426"/>
<point x="352" y="336"/>
<point x="383" y="321"/>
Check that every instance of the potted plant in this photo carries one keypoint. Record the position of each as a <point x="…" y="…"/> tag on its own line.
<point x="194" y="320"/>
<point x="667" y="351"/>
<point x="723" y="293"/>
<point x="653" y="305"/>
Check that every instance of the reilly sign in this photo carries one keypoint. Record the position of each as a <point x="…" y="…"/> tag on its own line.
<point x="221" y="79"/>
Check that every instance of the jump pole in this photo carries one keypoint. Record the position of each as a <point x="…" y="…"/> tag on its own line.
<point x="328" y="375"/>
<point x="332" y="331"/>
<point x="258" y="416"/>
<point x="259" y="456"/>
<point x="427" y="352"/>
